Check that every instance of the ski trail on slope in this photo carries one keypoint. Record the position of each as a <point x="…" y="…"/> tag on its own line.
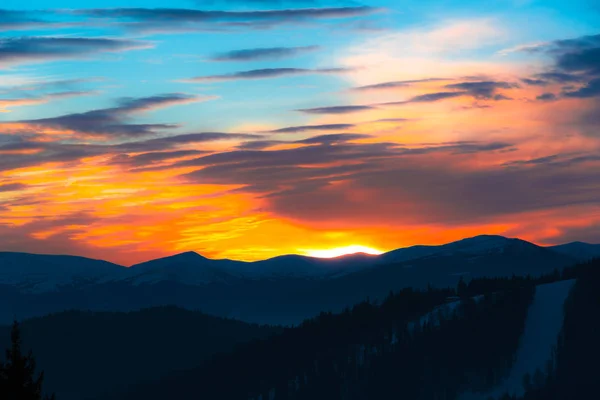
<point x="542" y="327"/>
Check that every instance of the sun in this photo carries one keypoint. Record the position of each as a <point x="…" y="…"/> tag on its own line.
<point x="342" y="251"/>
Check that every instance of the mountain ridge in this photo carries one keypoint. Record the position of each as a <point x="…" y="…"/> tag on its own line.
<point x="199" y="255"/>
<point x="281" y="290"/>
<point x="41" y="272"/>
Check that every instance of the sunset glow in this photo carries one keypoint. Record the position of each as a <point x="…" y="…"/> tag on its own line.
<point x="342" y="251"/>
<point x="132" y="133"/>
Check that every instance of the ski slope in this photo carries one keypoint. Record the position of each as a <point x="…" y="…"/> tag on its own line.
<point x="542" y="327"/>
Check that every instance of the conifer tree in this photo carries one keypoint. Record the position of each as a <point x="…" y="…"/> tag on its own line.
<point x="17" y="373"/>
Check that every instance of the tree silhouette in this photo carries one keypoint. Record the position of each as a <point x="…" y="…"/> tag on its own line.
<point x="17" y="373"/>
<point x="461" y="288"/>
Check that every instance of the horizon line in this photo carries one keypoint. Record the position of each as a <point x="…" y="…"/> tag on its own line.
<point x="294" y="254"/>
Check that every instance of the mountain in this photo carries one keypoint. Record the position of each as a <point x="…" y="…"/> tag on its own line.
<point x="194" y="269"/>
<point x="36" y="273"/>
<point x="87" y="353"/>
<point x="282" y="290"/>
<point x="443" y="266"/>
<point x="190" y="268"/>
<point x="311" y="267"/>
<point x="478" y="245"/>
<point x="578" y="250"/>
<point x="115" y="342"/>
<point x="40" y="273"/>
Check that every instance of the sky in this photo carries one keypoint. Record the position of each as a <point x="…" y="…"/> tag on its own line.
<point x="247" y="129"/>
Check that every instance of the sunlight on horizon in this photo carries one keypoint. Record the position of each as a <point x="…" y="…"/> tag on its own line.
<point x="342" y="251"/>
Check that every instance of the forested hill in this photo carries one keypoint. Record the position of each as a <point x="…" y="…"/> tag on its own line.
<point x="85" y="353"/>
<point x="430" y="344"/>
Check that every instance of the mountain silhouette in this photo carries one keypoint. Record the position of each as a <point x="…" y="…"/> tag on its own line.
<point x="38" y="272"/>
<point x="280" y="290"/>
<point x="579" y="250"/>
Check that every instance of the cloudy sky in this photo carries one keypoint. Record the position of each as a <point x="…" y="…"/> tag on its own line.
<point x="247" y="129"/>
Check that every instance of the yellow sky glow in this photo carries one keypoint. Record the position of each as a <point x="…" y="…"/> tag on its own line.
<point x="342" y="251"/>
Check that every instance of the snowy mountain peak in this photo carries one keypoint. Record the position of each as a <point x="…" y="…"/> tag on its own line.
<point x="485" y="244"/>
<point x="579" y="250"/>
<point x="189" y="267"/>
<point x="185" y="256"/>
<point x="44" y="272"/>
<point x="476" y="246"/>
<point x="484" y="239"/>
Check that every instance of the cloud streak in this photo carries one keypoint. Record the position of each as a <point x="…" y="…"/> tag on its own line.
<point x="396" y="84"/>
<point x="176" y="20"/>
<point x="19" y="152"/>
<point x="42" y="49"/>
<point x="336" y="109"/>
<point x="266" y="73"/>
<point x="113" y="121"/>
<point x="308" y="128"/>
<point x="15" y="20"/>
<point x="426" y="98"/>
<point x="6" y="104"/>
<point x="266" y="53"/>
<point x="297" y="190"/>
<point x="11" y="187"/>
<point x="483" y="89"/>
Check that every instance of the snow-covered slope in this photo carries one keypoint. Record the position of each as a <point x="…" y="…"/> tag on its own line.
<point x="434" y="316"/>
<point x="439" y="313"/>
<point x="189" y="268"/>
<point x="474" y="246"/>
<point x="578" y="250"/>
<point x="40" y="273"/>
<point x="542" y="327"/>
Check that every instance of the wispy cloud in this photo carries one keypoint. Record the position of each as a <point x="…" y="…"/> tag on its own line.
<point x="41" y="49"/>
<point x="264" y="53"/>
<point x="6" y="104"/>
<point x="396" y="84"/>
<point x="266" y="73"/>
<point x="16" y="20"/>
<point x="176" y="20"/>
<point x="334" y="138"/>
<point x="113" y="121"/>
<point x="528" y="47"/>
<point x="308" y="128"/>
<point x="44" y="84"/>
<point x="336" y="109"/>
<point x="11" y="187"/>
<point x="575" y="61"/>
<point x="21" y="152"/>
<point x="591" y="89"/>
<point x="546" y="97"/>
<point x="426" y="98"/>
<point x="483" y="89"/>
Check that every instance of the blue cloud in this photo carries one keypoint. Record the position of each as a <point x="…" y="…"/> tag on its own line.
<point x="268" y="53"/>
